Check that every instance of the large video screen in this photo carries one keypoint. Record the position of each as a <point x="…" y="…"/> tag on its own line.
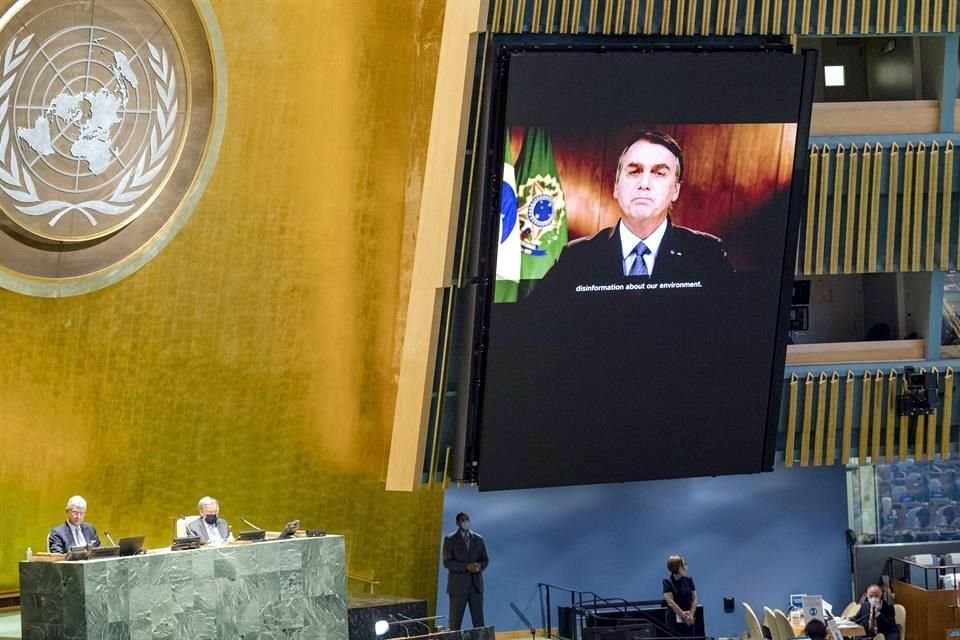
<point x="635" y="328"/>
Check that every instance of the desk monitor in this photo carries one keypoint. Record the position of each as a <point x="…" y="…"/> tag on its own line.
<point x="76" y="553"/>
<point x="252" y="536"/>
<point x="188" y="542"/>
<point x="103" y="552"/>
<point x="131" y="546"/>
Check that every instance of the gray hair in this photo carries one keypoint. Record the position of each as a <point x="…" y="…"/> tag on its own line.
<point x="206" y="501"/>
<point x="77" y="502"/>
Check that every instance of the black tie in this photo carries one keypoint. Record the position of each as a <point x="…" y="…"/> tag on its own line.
<point x="466" y="541"/>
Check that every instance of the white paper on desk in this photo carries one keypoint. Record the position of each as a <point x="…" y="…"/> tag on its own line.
<point x="834" y="629"/>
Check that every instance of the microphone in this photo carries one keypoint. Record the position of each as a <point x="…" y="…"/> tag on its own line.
<point x="249" y="524"/>
<point x="406" y="631"/>
<point x="409" y="619"/>
<point x="523" y="618"/>
<point x="107" y="533"/>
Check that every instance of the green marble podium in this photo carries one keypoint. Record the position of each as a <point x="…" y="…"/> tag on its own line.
<point x="282" y="589"/>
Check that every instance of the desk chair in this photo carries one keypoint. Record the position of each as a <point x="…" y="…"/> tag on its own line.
<point x="181" y="525"/>
<point x="900" y="616"/>
<point x="786" y="631"/>
<point x="753" y="624"/>
<point x="850" y="609"/>
<point x="770" y="622"/>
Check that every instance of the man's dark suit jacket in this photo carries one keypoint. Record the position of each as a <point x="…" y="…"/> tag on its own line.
<point x="684" y="255"/>
<point x="456" y="558"/>
<point x="886" y="618"/>
<point x="198" y="529"/>
<point x="61" y="538"/>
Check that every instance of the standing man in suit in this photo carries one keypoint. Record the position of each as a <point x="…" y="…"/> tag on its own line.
<point x="210" y="528"/>
<point x="74" y="532"/>
<point x="465" y="557"/>
<point x="877" y="616"/>
<point x="644" y="243"/>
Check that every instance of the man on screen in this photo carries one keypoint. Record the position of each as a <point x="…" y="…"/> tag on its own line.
<point x="644" y="243"/>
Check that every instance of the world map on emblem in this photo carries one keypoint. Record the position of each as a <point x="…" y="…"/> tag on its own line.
<point x="90" y="118"/>
<point x="111" y="117"/>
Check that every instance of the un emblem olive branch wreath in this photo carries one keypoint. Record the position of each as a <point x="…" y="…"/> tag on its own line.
<point x="133" y="184"/>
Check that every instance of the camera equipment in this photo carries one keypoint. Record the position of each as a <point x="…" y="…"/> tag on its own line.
<point x="920" y="396"/>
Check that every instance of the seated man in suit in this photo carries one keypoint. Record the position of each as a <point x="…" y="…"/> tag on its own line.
<point x="645" y="242"/>
<point x="465" y="558"/>
<point x="876" y="616"/>
<point x="74" y="532"/>
<point x="210" y="528"/>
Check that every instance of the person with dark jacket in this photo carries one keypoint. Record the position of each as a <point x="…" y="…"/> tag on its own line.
<point x="877" y="616"/>
<point x="465" y="558"/>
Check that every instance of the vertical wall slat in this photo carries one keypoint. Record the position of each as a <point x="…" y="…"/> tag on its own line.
<point x="864" y="418"/>
<point x="732" y="19"/>
<point x="874" y="246"/>
<point x="692" y="16"/>
<point x="847" y="419"/>
<point x="840" y="162"/>
<point x="875" y="420"/>
<point x="836" y="9"/>
<point x="665" y="17"/>
<point x="822" y="208"/>
<point x="863" y="214"/>
<point x="892" y="189"/>
<point x="788" y="448"/>
<point x="947" y="207"/>
<point x="804" y="18"/>
<point x="906" y="217"/>
<point x="890" y="421"/>
<point x="851" y="190"/>
<point x="807" y="420"/>
<point x="920" y="164"/>
<point x="821" y="425"/>
<point x="634" y="17"/>
<point x="831" y="448"/>
<point x="933" y="183"/>
<point x="810" y="222"/>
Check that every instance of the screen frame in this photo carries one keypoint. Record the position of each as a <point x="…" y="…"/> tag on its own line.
<point x="499" y="50"/>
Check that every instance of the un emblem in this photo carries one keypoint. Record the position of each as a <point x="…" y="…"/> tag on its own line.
<point x="111" y="114"/>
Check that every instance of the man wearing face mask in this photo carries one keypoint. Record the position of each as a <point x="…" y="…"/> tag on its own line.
<point x="877" y="616"/>
<point x="210" y="528"/>
<point x="465" y="557"/>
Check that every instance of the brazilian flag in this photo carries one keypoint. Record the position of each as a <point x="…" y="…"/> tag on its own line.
<point x="508" y="253"/>
<point x="541" y="210"/>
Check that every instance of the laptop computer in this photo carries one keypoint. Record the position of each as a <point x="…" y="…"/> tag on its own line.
<point x="131" y="546"/>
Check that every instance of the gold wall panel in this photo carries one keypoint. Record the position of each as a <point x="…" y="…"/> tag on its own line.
<point x="254" y="359"/>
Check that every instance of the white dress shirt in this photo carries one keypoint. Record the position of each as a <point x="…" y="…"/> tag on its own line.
<point x="628" y="242"/>
<point x="78" y="536"/>
<point x="213" y="534"/>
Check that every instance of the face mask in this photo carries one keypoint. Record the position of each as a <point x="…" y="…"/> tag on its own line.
<point x="465" y="525"/>
<point x="210" y="518"/>
<point x="875" y="601"/>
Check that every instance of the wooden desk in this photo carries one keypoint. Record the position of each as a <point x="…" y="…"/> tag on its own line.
<point x="847" y="629"/>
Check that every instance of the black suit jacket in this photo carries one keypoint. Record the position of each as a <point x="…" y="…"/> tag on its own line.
<point x="886" y="619"/>
<point x="684" y="255"/>
<point x="456" y="558"/>
<point x="61" y="538"/>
